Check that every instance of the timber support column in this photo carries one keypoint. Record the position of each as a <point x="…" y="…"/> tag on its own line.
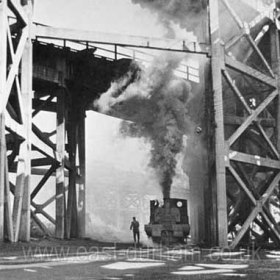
<point x="26" y="80"/>
<point x="275" y="59"/>
<point x="82" y="175"/>
<point x="60" y="172"/>
<point x="217" y="63"/>
<point x="3" y="62"/>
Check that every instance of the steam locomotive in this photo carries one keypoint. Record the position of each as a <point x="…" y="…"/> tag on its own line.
<point x="169" y="223"/>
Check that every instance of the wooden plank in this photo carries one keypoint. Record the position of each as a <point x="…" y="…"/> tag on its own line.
<point x="60" y="177"/>
<point x="249" y="71"/>
<point x="253" y="159"/>
<point x="216" y="64"/>
<point x="82" y="180"/>
<point x="180" y="45"/>
<point x="251" y="118"/>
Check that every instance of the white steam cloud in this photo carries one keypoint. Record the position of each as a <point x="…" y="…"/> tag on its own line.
<point x="187" y="14"/>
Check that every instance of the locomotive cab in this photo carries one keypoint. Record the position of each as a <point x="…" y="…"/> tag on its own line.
<point x="169" y="223"/>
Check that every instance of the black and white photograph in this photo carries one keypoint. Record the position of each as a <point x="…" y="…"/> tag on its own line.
<point x="139" y="139"/>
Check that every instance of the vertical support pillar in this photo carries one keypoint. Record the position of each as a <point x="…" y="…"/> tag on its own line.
<point x="60" y="172"/>
<point x="71" y="215"/>
<point x="275" y="60"/>
<point x="3" y="63"/>
<point x="82" y="179"/>
<point x="26" y="85"/>
<point x="216" y="66"/>
<point x="2" y="173"/>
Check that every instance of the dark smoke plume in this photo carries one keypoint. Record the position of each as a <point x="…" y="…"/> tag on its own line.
<point x="186" y="13"/>
<point x="156" y="103"/>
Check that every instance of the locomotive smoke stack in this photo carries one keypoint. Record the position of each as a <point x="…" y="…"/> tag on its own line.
<point x="166" y="186"/>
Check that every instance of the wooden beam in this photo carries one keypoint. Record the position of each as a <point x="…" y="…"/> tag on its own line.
<point x="42" y="182"/>
<point x="60" y="177"/>
<point x="180" y="45"/>
<point x="253" y="159"/>
<point x="14" y="68"/>
<point x="242" y="184"/>
<point x="82" y="173"/>
<point x="2" y="173"/>
<point x="3" y="69"/>
<point x="42" y="104"/>
<point x="42" y="136"/>
<point x="237" y="121"/>
<point x="233" y="41"/>
<point x="216" y="64"/>
<point x="27" y="94"/>
<point x="268" y="141"/>
<point x="71" y="213"/>
<point x="44" y="147"/>
<point x="236" y="91"/>
<point x="272" y="224"/>
<point x="249" y="71"/>
<point x="253" y="117"/>
<point x="234" y="15"/>
<point x="245" y="226"/>
<point x="266" y="195"/>
<point x="261" y="56"/>
<point x="20" y="181"/>
<point x="42" y="161"/>
<point x="42" y="172"/>
<point x="39" y="209"/>
<point x="8" y="211"/>
<point x="18" y="10"/>
<point x="275" y="62"/>
<point x="40" y="224"/>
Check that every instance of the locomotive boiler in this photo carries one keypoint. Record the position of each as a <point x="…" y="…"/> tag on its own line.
<point x="169" y="222"/>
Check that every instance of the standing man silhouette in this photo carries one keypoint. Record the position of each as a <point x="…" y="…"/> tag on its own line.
<point x="135" y="228"/>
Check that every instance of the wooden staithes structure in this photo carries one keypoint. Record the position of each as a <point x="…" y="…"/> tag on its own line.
<point x="242" y="113"/>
